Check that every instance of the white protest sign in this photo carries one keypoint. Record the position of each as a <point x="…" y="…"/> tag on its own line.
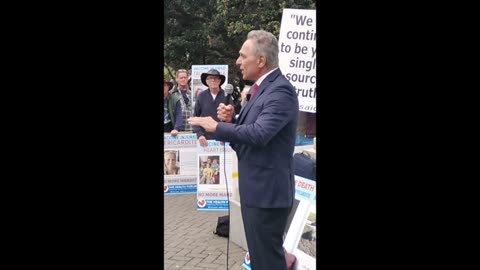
<point x="214" y="175"/>
<point x="180" y="153"/>
<point x="298" y="54"/>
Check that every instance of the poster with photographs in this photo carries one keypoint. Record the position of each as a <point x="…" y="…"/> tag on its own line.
<point x="196" y="84"/>
<point x="302" y="232"/>
<point x="179" y="164"/>
<point x="214" y="174"/>
<point x="305" y="195"/>
<point x="209" y="169"/>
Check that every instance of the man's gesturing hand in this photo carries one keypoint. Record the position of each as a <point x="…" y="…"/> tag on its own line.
<point x="207" y="123"/>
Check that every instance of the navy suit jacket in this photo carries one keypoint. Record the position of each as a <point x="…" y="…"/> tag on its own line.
<point x="264" y="139"/>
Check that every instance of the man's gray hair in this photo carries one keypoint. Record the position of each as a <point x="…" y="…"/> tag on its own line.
<point x="266" y="44"/>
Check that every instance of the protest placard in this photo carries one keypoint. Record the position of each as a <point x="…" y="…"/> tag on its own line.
<point x="298" y="54"/>
<point x="214" y="174"/>
<point x="179" y="172"/>
<point x="301" y="235"/>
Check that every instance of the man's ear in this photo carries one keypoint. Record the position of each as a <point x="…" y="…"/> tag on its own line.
<point x="262" y="61"/>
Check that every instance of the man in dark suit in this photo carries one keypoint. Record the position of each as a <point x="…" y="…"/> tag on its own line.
<point x="263" y="136"/>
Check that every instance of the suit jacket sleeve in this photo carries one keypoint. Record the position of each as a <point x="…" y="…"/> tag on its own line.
<point x="275" y="112"/>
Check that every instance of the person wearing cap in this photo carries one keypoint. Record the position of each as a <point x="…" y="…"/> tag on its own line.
<point x="167" y="120"/>
<point x="208" y="101"/>
<point x="180" y="96"/>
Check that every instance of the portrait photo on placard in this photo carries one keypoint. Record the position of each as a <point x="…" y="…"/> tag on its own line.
<point x="209" y="169"/>
<point x="308" y="239"/>
<point x="171" y="164"/>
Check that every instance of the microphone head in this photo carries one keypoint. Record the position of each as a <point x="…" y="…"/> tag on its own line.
<point x="229" y="89"/>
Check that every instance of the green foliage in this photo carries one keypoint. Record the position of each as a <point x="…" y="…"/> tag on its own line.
<point x="199" y="32"/>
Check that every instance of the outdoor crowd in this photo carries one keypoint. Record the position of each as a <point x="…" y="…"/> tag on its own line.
<point x="177" y="106"/>
<point x="263" y="135"/>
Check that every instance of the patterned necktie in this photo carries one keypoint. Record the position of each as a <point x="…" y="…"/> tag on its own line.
<point x="255" y="88"/>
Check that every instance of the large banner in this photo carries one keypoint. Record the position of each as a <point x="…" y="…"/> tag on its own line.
<point x="197" y="85"/>
<point x="298" y="54"/>
<point x="214" y="176"/>
<point x="180" y="164"/>
<point x="301" y="227"/>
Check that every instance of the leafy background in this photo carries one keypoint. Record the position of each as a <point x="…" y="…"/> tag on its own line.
<point x="200" y="32"/>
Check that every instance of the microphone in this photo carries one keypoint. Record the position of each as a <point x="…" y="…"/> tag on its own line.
<point x="229" y="92"/>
